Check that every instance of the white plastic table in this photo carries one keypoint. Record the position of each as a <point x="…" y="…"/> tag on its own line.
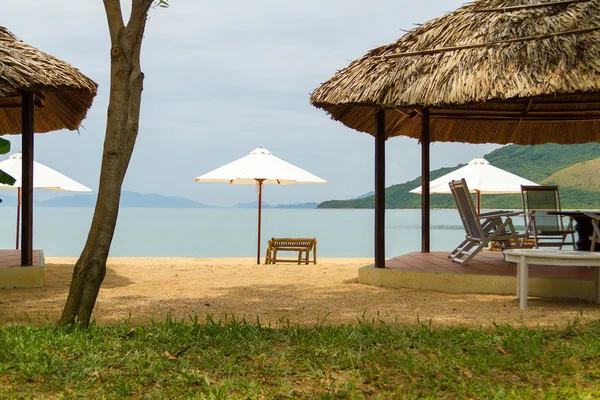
<point x="523" y="257"/>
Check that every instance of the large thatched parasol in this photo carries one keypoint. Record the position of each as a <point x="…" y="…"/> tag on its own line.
<point x="493" y="71"/>
<point x="63" y="94"/>
<point x="38" y="93"/>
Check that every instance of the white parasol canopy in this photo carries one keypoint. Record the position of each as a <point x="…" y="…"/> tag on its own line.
<point x="260" y="167"/>
<point x="482" y="178"/>
<point x="43" y="177"/>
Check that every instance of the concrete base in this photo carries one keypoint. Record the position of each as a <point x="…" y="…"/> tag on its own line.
<point x="12" y="277"/>
<point x="476" y="283"/>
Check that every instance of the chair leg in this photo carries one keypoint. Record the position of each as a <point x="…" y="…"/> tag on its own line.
<point x="464" y="247"/>
<point x="595" y="233"/>
<point x="471" y="254"/>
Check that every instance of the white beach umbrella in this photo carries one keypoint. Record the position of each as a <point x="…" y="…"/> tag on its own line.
<point x="43" y="177"/>
<point x="482" y="178"/>
<point x="260" y="167"/>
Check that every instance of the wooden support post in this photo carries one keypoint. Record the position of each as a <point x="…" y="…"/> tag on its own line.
<point x="27" y="110"/>
<point x="380" y="189"/>
<point x="259" y="182"/>
<point x="425" y="198"/>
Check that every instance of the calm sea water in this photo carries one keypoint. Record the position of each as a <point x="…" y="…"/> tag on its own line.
<point x="232" y="232"/>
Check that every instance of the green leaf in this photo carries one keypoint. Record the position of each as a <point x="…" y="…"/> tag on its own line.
<point x="4" y="146"/>
<point x="6" y="178"/>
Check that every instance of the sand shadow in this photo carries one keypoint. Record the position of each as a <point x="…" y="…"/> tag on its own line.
<point x="307" y="305"/>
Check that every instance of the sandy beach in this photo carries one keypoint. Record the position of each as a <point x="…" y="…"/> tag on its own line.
<point x="142" y="289"/>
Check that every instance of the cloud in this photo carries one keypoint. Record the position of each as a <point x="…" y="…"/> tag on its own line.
<point x="223" y="78"/>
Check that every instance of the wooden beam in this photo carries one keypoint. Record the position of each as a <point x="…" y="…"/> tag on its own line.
<point x="27" y="179"/>
<point x="517" y="117"/>
<point x="380" y="189"/>
<point x="523" y="113"/>
<point x="425" y="195"/>
<point x="16" y="102"/>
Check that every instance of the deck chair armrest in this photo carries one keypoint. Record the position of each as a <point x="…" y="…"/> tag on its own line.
<point x="499" y="214"/>
<point x="592" y="215"/>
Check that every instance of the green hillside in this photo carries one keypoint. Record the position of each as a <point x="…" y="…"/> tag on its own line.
<point x="535" y="163"/>
<point x="583" y="176"/>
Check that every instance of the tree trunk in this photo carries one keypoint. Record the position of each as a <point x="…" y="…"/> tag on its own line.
<point x="126" y="85"/>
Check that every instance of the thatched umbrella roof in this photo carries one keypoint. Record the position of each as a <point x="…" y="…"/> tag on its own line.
<point x="63" y="94"/>
<point x="493" y="71"/>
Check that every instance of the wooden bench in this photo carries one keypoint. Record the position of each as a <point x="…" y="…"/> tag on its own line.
<point x="523" y="257"/>
<point x="302" y="245"/>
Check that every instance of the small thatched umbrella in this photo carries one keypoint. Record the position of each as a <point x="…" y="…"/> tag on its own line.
<point x="493" y="71"/>
<point x="60" y="95"/>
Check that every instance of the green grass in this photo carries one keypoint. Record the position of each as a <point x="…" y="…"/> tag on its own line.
<point x="237" y="359"/>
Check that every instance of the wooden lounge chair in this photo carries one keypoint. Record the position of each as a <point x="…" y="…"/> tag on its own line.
<point x="547" y="230"/>
<point x="481" y="229"/>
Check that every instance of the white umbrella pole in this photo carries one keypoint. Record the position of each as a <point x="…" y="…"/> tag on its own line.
<point x="260" y="181"/>
<point x="478" y="201"/>
<point x="18" y="215"/>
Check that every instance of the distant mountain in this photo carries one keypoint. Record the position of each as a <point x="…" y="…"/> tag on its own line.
<point x="254" y="204"/>
<point x="573" y="167"/>
<point x="251" y="204"/>
<point x="362" y="196"/>
<point x="583" y="175"/>
<point x="75" y="200"/>
<point x="128" y="200"/>
<point x="10" y="200"/>
<point x="311" y="204"/>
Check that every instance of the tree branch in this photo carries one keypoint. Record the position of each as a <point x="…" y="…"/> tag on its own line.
<point x="139" y="13"/>
<point x="115" y="19"/>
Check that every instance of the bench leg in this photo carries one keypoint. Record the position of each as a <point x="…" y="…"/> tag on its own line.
<point x="522" y="275"/>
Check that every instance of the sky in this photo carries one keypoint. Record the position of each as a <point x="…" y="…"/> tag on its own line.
<point x="223" y="78"/>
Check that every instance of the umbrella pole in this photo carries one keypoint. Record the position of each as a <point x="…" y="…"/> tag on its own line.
<point x="260" y="181"/>
<point x="18" y="215"/>
<point x="478" y="201"/>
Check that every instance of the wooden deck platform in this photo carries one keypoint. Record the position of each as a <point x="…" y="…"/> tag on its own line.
<point x="486" y="273"/>
<point x="12" y="275"/>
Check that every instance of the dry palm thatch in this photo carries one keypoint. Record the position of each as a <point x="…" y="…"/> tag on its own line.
<point x="493" y="71"/>
<point x="63" y="94"/>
